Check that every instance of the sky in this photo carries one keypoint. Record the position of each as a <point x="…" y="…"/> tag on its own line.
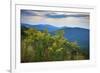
<point x="58" y="19"/>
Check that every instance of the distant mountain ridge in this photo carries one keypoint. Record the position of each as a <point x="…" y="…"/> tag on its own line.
<point x="79" y="35"/>
<point x="42" y="27"/>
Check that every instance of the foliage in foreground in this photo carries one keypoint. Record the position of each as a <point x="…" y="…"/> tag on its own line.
<point x="38" y="46"/>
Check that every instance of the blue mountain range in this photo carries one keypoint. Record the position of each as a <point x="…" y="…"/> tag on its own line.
<point x="42" y="27"/>
<point x="75" y="34"/>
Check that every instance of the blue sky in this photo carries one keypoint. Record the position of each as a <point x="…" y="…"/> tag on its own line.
<point x="58" y="19"/>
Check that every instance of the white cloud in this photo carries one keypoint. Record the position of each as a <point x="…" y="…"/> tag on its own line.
<point x="82" y="22"/>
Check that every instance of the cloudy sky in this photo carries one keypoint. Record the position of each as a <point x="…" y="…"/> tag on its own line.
<point x="58" y="19"/>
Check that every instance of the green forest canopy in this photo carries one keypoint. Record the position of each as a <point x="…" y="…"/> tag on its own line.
<point x="39" y="46"/>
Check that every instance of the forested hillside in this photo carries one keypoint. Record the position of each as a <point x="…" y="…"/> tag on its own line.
<point x="39" y="46"/>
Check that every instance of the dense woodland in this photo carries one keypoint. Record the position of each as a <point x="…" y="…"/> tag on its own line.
<point x="40" y="46"/>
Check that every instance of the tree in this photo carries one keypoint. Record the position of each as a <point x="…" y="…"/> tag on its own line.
<point x="37" y="46"/>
